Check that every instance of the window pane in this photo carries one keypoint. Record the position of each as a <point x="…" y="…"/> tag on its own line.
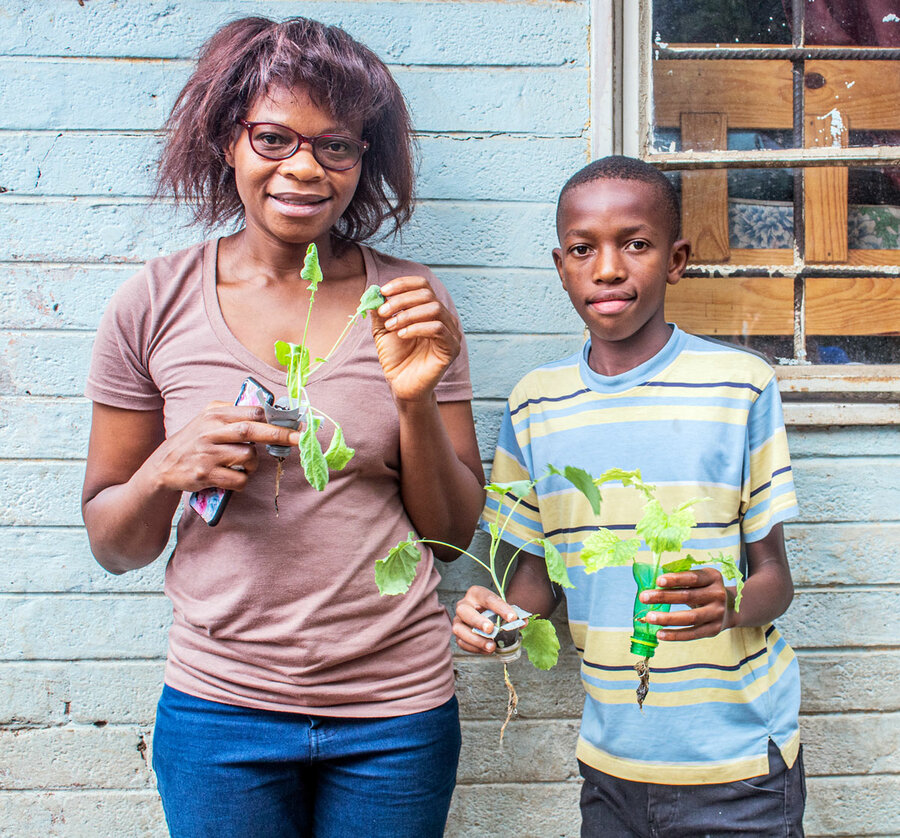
<point x="873" y="217"/>
<point x="721" y="21"/>
<point x="852" y="102"/>
<point x="716" y="105"/>
<point x="853" y="350"/>
<point x="728" y="214"/>
<point x="852" y="23"/>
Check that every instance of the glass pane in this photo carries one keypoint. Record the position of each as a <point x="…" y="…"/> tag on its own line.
<point x="852" y="102"/>
<point x="873" y="217"/>
<point x="852" y="23"/>
<point x="738" y="210"/>
<point x="721" y="21"/>
<point x="733" y="104"/>
<point x="776" y="349"/>
<point x="853" y="350"/>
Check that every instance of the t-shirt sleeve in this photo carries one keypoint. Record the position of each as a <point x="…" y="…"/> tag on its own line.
<point x="512" y="464"/>
<point x="768" y="495"/>
<point x="119" y="374"/>
<point x="456" y="383"/>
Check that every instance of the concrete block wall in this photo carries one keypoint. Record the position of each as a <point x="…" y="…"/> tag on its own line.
<point x="500" y="93"/>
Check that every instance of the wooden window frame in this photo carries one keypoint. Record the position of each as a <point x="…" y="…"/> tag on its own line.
<point x="814" y="394"/>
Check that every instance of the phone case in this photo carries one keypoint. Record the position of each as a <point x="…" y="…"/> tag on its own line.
<point x="210" y="503"/>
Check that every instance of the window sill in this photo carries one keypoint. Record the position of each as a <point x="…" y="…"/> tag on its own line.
<point x="818" y="414"/>
<point x="840" y="395"/>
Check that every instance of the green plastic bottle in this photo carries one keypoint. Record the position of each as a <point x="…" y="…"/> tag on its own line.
<point x="643" y="641"/>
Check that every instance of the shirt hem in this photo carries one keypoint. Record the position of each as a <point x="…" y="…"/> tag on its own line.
<point x="406" y="706"/>
<point x="683" y="774"/>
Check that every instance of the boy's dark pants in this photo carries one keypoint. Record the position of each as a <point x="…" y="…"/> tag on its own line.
<point x="770" y="806"/>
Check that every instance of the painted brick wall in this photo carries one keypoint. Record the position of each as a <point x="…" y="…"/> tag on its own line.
<point x="500" y="94"/>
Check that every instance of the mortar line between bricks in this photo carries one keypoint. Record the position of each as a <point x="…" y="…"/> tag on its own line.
<point x="4" y="595"/>
<point x="185" y="62"/>
<point x="13" y="198"/>
<point x="837" y="653"/>
<point x="826" y="714"/>
<point x="109" y="661"/>
<point x="824" y="589"/>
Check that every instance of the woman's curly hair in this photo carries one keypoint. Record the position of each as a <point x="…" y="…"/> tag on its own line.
<point x="249" y="57"/>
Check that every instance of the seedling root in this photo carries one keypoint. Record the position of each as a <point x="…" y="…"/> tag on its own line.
<point x="642" y="667"/>
<point x="512" y="702"/>
<point x="279" y="470"/>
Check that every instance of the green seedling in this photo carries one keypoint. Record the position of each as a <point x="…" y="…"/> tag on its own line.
<point x="396" y="571"/>
<point x="663" y="532"/>
<point x="300" y="366"/>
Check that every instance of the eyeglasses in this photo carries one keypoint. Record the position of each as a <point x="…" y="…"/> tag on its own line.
<point x="278" y="142"/>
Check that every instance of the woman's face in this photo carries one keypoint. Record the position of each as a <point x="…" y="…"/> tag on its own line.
<point x="296" y="200"/>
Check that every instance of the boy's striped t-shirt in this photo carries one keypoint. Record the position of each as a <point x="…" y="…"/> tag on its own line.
<point x="699" y="419"/>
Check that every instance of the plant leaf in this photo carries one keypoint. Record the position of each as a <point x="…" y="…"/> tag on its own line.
<point x="556" y="565"/>
<point x="284" y="351"/>
<point x="582" y="481"/>
<point x="371" y="298"/>
<point x="665" y="533"/>
<point x="311" y="272"/>
<point x="731" y="572"/>
<point x="540" y="643"/>
<point x="339" y="453"/>
<point x="680" y="565"/>
<point x="519" y="488"/>
<point x="604" y="548"/>
<point x="396" y="571"/>
<point x="302" y="369"/>
<point x="311" y="457"/>
<point x="627" y="478"/>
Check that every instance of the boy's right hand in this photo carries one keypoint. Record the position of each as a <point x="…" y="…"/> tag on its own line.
<point x="469" y="615"/>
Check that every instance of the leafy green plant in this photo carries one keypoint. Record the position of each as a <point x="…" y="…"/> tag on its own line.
<point x="300" y="366"/>
<point x="396" y="571"/>
<point x="663" y="532"/>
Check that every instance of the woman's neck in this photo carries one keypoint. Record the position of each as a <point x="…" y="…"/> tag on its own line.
<point x="253" y="251"/>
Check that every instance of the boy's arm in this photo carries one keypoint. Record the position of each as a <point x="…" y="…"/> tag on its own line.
<point x="530" y="588"/>
<point x="767" y="594"/>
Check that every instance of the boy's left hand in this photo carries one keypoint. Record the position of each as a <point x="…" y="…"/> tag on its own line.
<point x="416" y="337"/>
<point x="709" y="602"/>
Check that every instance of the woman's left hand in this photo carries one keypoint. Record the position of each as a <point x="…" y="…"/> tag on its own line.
<point x="416" y="337"/>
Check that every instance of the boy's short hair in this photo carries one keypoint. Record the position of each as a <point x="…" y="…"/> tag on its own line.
<point x="618" y="167"/>
<point x="252" y="56"/>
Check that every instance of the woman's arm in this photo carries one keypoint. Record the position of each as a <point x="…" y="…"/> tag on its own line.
<point x="441" y="479"/>
<point x="417" y="338"/>
<point x="135" y="476"/>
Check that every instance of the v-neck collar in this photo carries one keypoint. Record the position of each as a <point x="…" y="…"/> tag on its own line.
<point x="255" y="365"/>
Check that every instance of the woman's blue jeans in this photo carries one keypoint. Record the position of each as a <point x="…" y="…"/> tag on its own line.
<point x="233" y="772"/>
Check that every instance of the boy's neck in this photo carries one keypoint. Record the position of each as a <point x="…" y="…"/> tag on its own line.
<point x="611" y="358"/>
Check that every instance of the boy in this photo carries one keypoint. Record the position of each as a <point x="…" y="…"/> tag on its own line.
<point x="715" y="751"/>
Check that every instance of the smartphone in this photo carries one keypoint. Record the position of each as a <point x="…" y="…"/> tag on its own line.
<point x="210" y="503"/>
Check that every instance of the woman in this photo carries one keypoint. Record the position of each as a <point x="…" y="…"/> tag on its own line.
<point x="297" y="701"/>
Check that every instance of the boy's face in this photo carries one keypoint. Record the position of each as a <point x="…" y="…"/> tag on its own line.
<point x="615" y="258"/>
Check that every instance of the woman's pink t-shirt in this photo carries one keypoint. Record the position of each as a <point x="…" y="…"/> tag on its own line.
<point x="282" y="612"/>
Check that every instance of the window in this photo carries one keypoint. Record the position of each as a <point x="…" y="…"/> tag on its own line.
<point x="779" y="123"/>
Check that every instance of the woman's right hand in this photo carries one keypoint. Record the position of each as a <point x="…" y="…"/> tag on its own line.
<point x="135" y="475"/>
<point x="216" y="449"/>
<point x="469" y="615"/>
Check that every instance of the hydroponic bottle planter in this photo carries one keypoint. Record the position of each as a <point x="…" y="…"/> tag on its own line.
<point x="643" y="641"/>
<point x="284" y="416"/>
